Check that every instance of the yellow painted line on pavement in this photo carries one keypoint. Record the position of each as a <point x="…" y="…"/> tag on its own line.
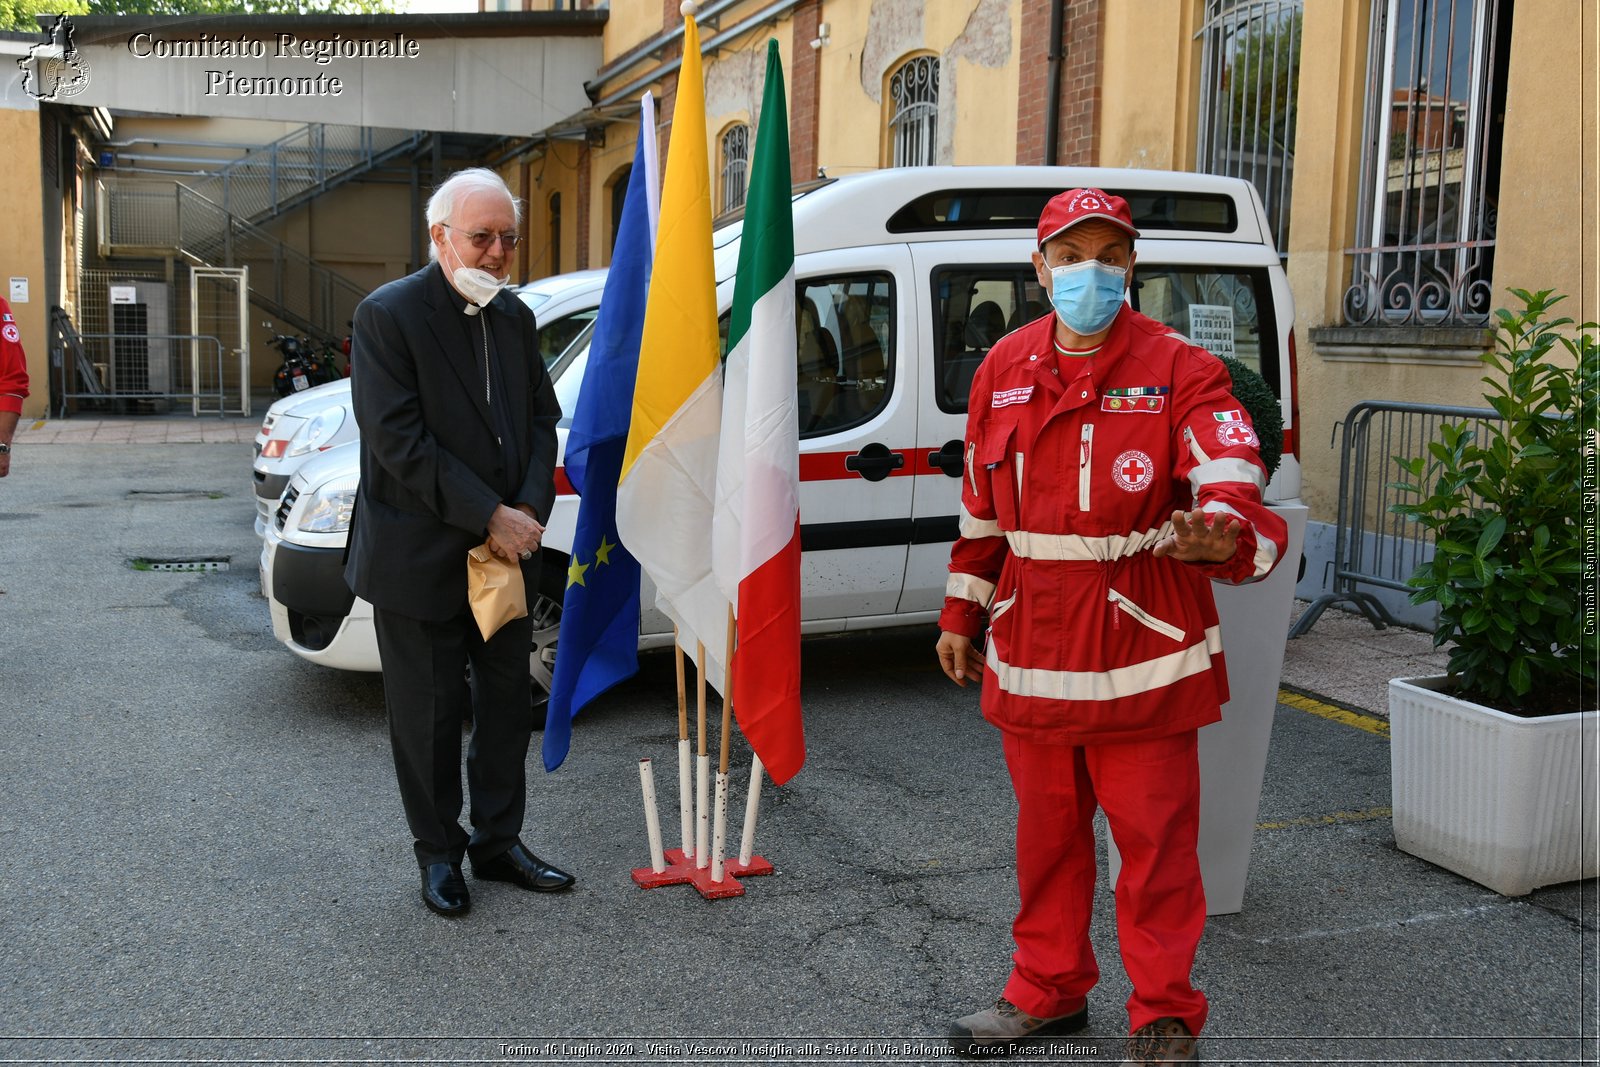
<point x="1370" y="723"/>
<point x="1336" y="818"/>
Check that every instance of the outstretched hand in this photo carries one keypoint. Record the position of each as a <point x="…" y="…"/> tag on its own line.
<point x="1198" y="537"/>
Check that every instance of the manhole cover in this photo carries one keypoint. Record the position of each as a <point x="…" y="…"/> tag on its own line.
<point x="204" y="563"/>
<point x="175" y="494"/>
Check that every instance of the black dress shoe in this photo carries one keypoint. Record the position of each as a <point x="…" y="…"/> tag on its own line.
<point x="518" y="865"/>
<point x="444" y="890"/>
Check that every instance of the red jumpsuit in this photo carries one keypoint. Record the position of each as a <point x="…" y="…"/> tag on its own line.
<point x="1102" y="659"/>
<point x="13" y="364"/>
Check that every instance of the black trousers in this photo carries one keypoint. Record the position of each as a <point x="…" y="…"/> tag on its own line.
<point x="426" y="690"/>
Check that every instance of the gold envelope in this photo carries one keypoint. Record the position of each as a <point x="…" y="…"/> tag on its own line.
<point x="495" y="590"/>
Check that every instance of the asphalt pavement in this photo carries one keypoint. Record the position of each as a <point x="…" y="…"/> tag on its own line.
<point x="206" y="859"/>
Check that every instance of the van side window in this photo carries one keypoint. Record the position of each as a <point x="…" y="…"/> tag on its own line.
<point x="1225" y="310"/>
<point x="845" y="354"/>
<point x="973" y="307"/>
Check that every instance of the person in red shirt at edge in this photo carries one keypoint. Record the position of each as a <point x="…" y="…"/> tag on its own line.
<point x="13" y="383"/>
<point x="1111" y="475"/>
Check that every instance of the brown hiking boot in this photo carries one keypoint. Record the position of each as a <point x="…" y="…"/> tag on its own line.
<point x="1166" y="1040"/>
<point x="1006" y="1025"/>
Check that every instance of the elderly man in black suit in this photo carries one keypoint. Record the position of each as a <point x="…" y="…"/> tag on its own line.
<point x="458" y="447"/>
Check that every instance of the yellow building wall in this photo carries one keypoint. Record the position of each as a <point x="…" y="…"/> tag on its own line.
<point x="630" y="23"/>
<point x="1149" y="85"/>
<point x="848" y="119"/>
<point x="604" y="165"/>
<point x="556" y="171"/>
<point x="22" y="254"/>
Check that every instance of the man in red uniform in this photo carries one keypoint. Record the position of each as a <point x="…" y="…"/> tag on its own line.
<point x="13" y="383"/>
<point x="1111" y="475"/>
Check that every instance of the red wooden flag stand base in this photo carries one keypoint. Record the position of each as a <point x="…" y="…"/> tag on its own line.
<point x="681" y="870"/>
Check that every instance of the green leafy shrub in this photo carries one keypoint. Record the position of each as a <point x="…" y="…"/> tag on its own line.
<point x="1504" y="515"/>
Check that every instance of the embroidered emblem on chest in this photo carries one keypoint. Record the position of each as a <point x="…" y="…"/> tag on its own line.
<point x="1237" y="433"/>
<point x="1004" y="398"/>
<point x="1132" y="405"/>
<point x="1133" y="471"/>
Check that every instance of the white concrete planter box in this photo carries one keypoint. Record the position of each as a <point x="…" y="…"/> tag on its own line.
<point x="1233" y="752"/>
<point x="1505" y="801"/>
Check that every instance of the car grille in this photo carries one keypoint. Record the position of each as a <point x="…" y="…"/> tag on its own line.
<point x="290" y="495"/>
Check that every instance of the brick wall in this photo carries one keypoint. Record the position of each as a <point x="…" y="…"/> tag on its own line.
<point x="1078" y="123"/>
<point x="805" y="81"/>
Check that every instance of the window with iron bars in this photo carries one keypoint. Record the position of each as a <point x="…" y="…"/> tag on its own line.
<point x="1250" y="82"/>
<point x="735" y="166"/>
<point x="1428" y="203"/>
<point x="914" y="120"/>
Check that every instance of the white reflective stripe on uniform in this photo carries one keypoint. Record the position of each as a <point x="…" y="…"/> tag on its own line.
<point x="1109" y="685"/>
<point x="1266" y="548"/>
<point x="1058" y="547"/>
<point x="1226" y="470"/>
<point x="969" y="587"/>
<point x="1001" y="608"/>
<point x="971" y="527"/>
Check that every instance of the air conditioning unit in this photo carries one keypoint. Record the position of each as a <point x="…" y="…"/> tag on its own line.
<point x="141" y="350"/>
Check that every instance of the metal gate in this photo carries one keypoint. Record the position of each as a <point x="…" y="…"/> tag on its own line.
<point x="219" y="307"/>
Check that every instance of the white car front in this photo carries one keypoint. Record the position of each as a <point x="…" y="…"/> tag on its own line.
<point x="295" y="429"/>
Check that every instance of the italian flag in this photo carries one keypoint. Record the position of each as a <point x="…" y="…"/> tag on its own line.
<point x="756" y="525"/>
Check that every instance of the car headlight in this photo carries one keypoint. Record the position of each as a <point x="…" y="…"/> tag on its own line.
<point x="318" y="433"/>
<point x="328" y="510"/>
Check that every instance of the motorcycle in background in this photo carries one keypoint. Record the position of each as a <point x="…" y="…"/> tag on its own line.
<point x="302" y="367"/>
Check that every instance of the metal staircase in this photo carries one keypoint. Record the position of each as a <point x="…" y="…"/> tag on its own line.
<point x="215" y="221"/>
<point x="300" y="166"/>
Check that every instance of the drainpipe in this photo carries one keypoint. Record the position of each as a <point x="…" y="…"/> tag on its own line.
<point x="1052" y="107"/>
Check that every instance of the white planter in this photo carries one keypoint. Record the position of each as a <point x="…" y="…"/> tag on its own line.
<point x="1505" y="801"/>
<point x="1233" y="752"/>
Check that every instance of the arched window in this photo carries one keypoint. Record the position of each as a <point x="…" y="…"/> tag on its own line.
<point x="914" y="113"/>
<point x="555" y="233"/>
<point x="619" y="192"/>
<point x="735" y="167"/>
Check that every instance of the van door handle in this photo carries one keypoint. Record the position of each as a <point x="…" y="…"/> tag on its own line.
<point x="874" y="462"/>
<point x="948" y="458"/>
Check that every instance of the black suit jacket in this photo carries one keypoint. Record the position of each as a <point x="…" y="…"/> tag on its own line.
<point x="432" y="472"/>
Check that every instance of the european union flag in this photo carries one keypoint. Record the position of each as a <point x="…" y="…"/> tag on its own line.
<point x="599" y="644"/>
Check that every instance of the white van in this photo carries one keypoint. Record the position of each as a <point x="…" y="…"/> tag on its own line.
<point x="905" y="278"/>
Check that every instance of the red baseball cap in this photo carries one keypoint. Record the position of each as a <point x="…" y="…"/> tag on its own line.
<point x="1066" y="210"/>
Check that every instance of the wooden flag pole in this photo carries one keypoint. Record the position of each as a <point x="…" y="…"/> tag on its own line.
<point x="702" y="783"/>
<point x="685" y="801"/>
<point x="720" y="839"/>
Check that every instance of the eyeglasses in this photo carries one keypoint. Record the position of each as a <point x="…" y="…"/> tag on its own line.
<point x="483" y="239"/>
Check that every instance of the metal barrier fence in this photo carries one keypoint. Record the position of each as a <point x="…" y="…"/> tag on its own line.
<point x="125" y="372"/>
<point x="1373" y="546"/>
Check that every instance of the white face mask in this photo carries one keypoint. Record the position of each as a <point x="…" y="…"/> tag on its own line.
<point x="474" y="283"/>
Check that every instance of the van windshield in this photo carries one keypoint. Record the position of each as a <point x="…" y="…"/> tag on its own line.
<point x="1225" y="310"/>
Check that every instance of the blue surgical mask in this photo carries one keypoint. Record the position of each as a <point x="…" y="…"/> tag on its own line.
<point x="1088" y="295"/>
